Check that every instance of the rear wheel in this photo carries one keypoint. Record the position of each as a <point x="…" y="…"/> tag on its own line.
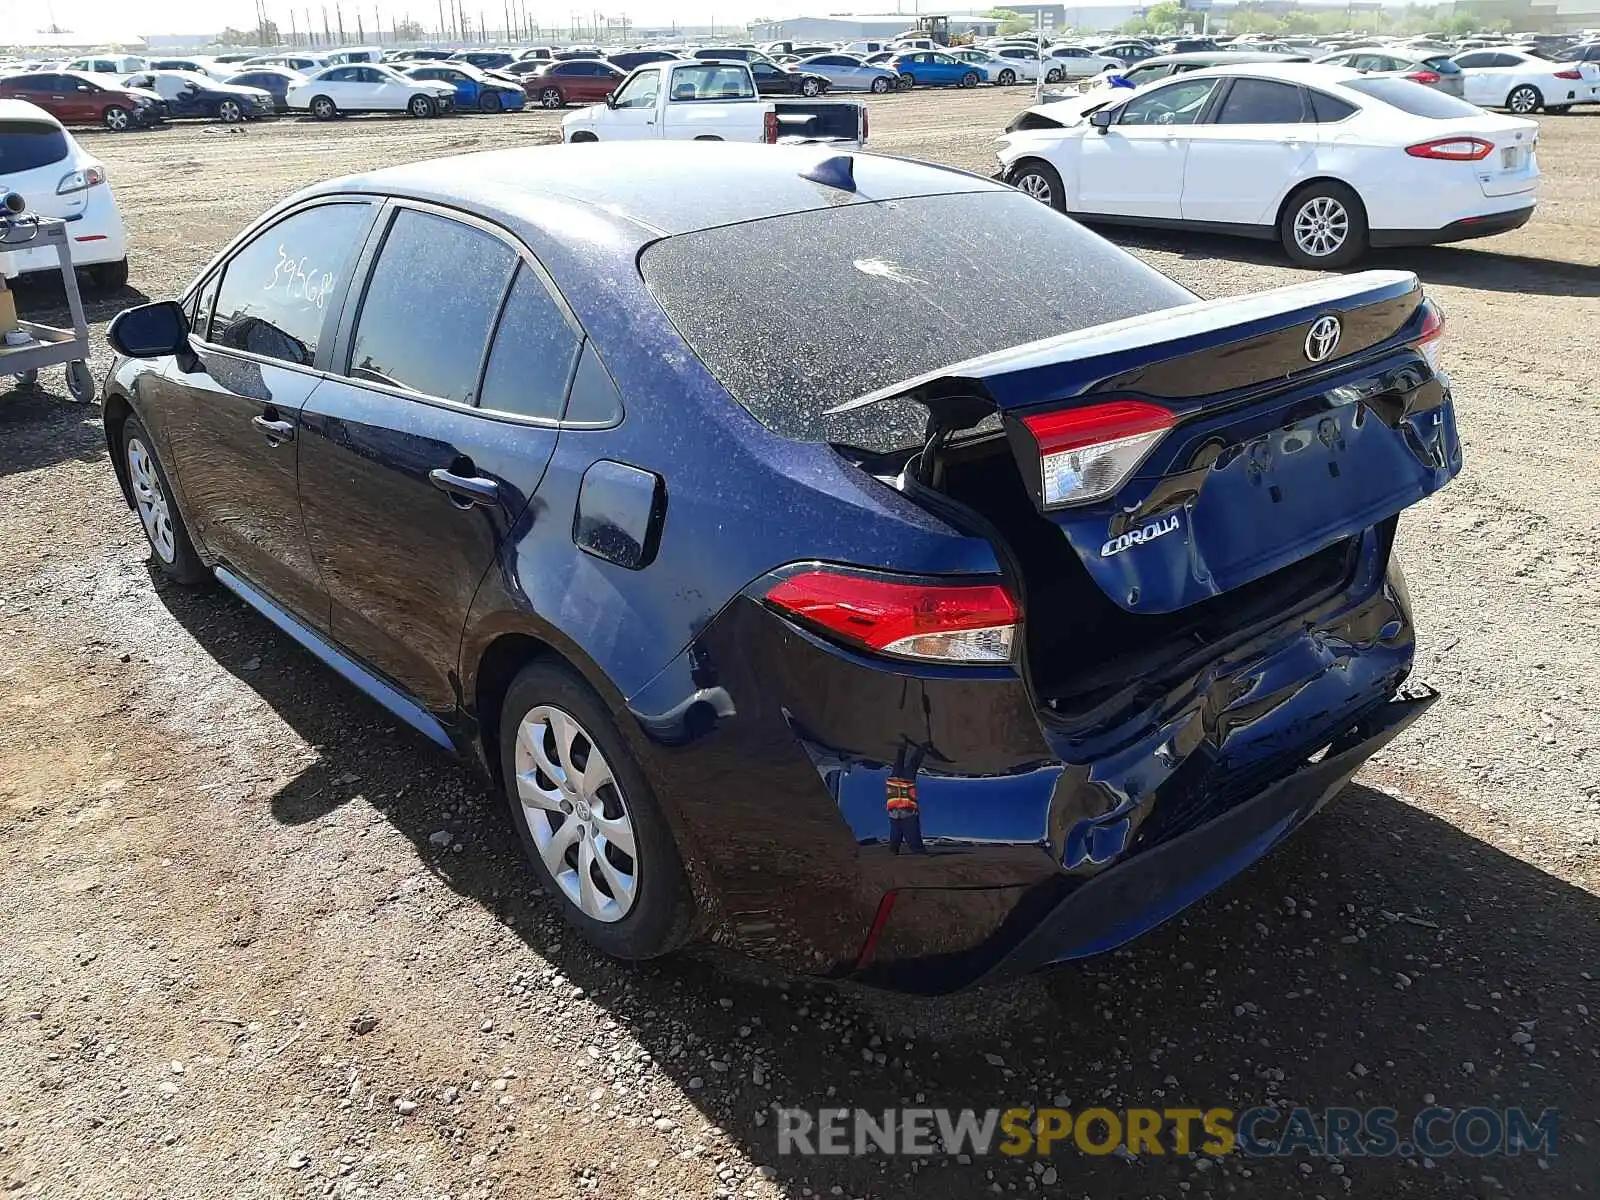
<point x="170" y="547"/>
<point x="323" y="108"/>
<point x="880" y="85"/>
<point x="588" y="819"/>
<point x="969" y="80"/>
<point x="117" y="119"/>
<point x="229" y="112"/>
<point x="489" y="102"/>
<point x="1006" y="77"/>
<point x="1524" y="100"/>
<point x="1053" y="75"/>
<point x="1036" y="178"/>
<point x="1324" y="225"/>
<point x="421" y="106"/>
<point x="551" y="98"/>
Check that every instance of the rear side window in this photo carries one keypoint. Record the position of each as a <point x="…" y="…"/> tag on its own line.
<point x="1326" y="109"/>
<point x="276" y="290"/>
<point x="26" y="145"/>
<point x="430" y="305"/>
<point x="1413" y="98"/>
<point x="797" y="314"/>
<point x="711" y="82"/>
<point x="1441" y="65"/>
<point x="534" y="348"/>
<point x="1261" y="102"/>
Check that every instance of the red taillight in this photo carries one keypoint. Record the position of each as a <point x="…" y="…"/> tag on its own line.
<point x="939" y="622"/>
<point x="1087" y="453"/>
<point x="1456" y="149"/>
<point x="1574" y="73"/>
<point x="769" y="127"/>
<point x="1424" y="77"/>
<point x="1431" y="339"/>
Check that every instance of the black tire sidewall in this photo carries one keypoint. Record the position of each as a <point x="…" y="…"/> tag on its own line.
<point x="185" y="566"/>
<point x="1355" y="244"/>
<point x="662" y="913"/>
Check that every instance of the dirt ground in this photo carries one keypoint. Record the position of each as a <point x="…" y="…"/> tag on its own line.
<point x="235" y="962"/>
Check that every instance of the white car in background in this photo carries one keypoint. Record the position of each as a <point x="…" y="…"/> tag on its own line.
<point x="1323" y="159"/>
<point x="1075" y="62"/>
<point x="58" y="178"/>
<point x="368" y="87"/>
<point x="1028" y="64"/>
<point x="993" y="68"/>
<point x="1525" y="83"/>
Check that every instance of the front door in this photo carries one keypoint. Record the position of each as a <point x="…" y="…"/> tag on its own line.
<point x="634" y="115"/>
<point x="1135" y="167"/>
<point x="1254" y="141"/>
<point x="232" y="416"/>
<point x="427" y="443"/>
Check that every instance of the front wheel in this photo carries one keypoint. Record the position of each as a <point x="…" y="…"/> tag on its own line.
<point x="1524" y="100"/>
<point x="324" y="109"/>
<point x="880" y="85"/>
<point x="1041" y="181"/>
<point x="489" y="102"/>
<point x="1007" y="77"/>
<point x="229" y="112"/>
<point x="583" y="137"/>
<point x="551" y="98"/>
<point x="1324" y="225"/>
<point x="170" y="547"/>
<point x="117" y="119"/>
<point x="908" y="81"/>
<point x="1053" y="75"/>
<point x="969" y="80"/>
<point x="810" y="87"/>
<point x="588" y="819"/>
<point x="421" y="106"/>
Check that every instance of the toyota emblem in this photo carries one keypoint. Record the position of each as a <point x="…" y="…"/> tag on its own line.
<point x="1322" y="338"/>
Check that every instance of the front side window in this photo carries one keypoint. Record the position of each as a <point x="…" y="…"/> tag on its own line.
<point x="640" y="91"/>
<point x="532" y="358"/>
<point x="1261" y="102"/>
<point x="276" y="289"/>
<point x="430" y="304"/>
<point x="1176" y="104"/>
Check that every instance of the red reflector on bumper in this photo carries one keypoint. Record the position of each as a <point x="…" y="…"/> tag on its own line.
<point x="91" y="237"/>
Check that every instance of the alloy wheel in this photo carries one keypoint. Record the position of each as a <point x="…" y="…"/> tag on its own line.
<point x="1035" y="185"/>
<point x="576" y="813"/>
<point x="229" y="111"/>
<point x="151" y="500"/>
<point x="117" y="119"/>
<point x="1321" y="226"/>
<point x="550" y="98"/>
<point x="1523" y="100"/>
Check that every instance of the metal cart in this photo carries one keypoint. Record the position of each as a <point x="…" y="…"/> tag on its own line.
<point x="48" y="346"/>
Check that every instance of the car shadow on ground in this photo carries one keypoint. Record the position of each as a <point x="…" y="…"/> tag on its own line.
<point x="1465" y="264"/>
<point x="42" y="298"/>
<point x="1382" y="958"/>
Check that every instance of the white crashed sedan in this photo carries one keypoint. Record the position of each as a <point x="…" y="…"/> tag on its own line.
<point x="1525" y="83"/>
<point x="1323" y="159"/>
<point x="368" y="87"/>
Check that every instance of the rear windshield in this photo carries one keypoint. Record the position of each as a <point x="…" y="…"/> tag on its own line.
<point x="1413" y="98"/>
<point x="799" y="313"/>
<point x="25" y="145"/>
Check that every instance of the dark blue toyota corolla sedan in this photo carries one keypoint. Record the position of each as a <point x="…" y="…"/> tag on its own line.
<point x="846" y="559"/>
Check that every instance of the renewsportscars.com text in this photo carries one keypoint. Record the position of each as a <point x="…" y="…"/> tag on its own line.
<point x="1256" y="1132"/>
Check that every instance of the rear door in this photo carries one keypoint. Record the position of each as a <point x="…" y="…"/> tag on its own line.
<point x="422" y="450"/>
<point x="1136" y="167"/>
<point x="1255" y="140"/>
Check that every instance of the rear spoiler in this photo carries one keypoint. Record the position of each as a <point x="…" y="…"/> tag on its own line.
<point x="1073" y="363"/>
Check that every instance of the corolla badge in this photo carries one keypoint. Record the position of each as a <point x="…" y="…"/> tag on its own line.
<point x="1138" y="537"/>
<point x="1322" y="339"/>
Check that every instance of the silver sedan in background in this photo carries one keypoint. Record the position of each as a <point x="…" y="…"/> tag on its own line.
<point x="1425" y="67"/>
<point x="850" y="74"/>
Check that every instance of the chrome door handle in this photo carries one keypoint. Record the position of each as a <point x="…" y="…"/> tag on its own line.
<point x="277" y="432"/>
<point x="465" y="490"/>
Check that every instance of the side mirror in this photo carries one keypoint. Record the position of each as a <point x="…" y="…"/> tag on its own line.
<point x="611" y="99"/>
<point x="150" y="330"/>
<point x="1101" y="119"/>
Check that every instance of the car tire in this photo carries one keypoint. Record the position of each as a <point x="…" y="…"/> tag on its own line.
<point x="1006" y="78"/>
<point x="117" y="119"/>
<point x="908" y="80"/>
<point x="1558" y="110"/>
<point x="489" y="102"/>
<point x="1053" y="75"/>
<point x="170" y="548"/>
<point x="810" y="87"/>
<point x="552" y="719"/>
<point x="584" y="136"/>
<point x="969" y="80"/>
<point x="1324" y="225"/>
<point x="551" y="98"/>
<point x="421" y="106"/>
<point x="1525" y="100"/>
<point x="880" y="85"/>
<point x="1037" y="178"/>
<point x="229" y="112"/>
<point x="111" y="276"/>
<point x="323" y="108"/>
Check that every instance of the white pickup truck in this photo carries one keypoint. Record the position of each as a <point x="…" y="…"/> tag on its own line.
<point x="711" y="101"/>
